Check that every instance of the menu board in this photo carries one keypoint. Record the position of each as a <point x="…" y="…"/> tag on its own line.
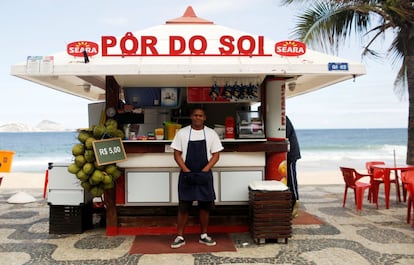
<point x="39" y="64"/>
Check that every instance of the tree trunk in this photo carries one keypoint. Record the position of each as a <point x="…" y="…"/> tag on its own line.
<point x="410" y="82"/>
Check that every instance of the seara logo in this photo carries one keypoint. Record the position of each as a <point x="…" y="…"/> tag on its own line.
<point x="290" y="48"/>
<point x="77" y="48"/>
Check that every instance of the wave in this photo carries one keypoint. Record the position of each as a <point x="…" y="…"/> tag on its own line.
<point x="37" y="164"/>
<point x="331" y="160"/>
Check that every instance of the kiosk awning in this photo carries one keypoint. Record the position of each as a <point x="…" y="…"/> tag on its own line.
<point x="187" y="51"/>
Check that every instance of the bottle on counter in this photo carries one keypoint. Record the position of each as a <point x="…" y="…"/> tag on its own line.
<point x="229" y="127"/>
<point x="132" y="136"/>
<point x="127" y="128"/>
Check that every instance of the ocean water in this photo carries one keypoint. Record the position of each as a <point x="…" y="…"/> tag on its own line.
<point x="34" y="150"/>
<point x="321" y="149"/>
<point x="327" y="150"/>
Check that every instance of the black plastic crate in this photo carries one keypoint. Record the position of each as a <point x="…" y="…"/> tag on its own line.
<point x="69" y="219"/>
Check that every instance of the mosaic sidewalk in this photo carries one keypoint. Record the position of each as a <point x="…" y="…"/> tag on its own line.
<point x="374" y="236"/>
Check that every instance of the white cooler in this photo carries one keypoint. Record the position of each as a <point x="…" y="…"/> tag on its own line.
<point x="63" y="187"/>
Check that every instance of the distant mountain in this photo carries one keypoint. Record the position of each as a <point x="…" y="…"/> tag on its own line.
<point x="43" y="126"/>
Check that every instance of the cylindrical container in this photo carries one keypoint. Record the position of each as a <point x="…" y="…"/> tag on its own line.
<point x="229" y="127"/>
<point x="126" y="130"/>
<point x="172" y="128"/>
<point x="159" y="133"/>
<point x="6" y="158"/>
<point x="132" y="136"/>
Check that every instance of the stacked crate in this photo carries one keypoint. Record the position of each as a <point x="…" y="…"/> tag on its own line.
<point x="69" y="219"/>
<point x="270" y="215"/>
<point x="70" y="207"/>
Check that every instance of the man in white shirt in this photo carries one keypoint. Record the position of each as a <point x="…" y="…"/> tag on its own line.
<point x="196" y="151"/>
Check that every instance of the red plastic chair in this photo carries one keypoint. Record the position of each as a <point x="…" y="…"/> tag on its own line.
<point x="352" y="180"/>
<point x="404" y="189"/>
<point x="370" y="170"/>
<point x="379" y="179"/>
<point x="407" y="179"/>
<point x="369" y="165"/>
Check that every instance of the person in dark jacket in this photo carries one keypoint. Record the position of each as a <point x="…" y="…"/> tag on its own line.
<point x="292" y="156"/>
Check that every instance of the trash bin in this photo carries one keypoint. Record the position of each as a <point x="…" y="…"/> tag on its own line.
<point x="6" y="159"/>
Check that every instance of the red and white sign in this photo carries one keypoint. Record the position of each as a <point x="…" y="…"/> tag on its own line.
<point x="196" y="45"/>
<point x="290" y="48"/>
<point x="77" y="48"/>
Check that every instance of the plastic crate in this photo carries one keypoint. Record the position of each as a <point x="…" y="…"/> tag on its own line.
<point x="6" y="159"/>
<point x="68" y="219"/>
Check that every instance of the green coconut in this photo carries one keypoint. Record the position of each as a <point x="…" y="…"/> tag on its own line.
<point x="88" y="143"/>
<point x="97" y="176"/>
<point x="111" y="130"/>
<point x="110" y="169"/>
<point x="83" y="135"/>
<point x="107" y="179"/>
<point x="73" y="168"/>
<point x="82" y="176"/>
<point x="109" y="186"/>
<point x="116" y="174"/>
<point x="96" y="191"/>
<point x="88" y="168"/>
<point x="89" y="156"/>
<point x="78" y="149"/>
<point x="86" y="185"/>
<point x="80" y="160"/>
<point x="99" y="131"/>
<point x="111" y="122"/>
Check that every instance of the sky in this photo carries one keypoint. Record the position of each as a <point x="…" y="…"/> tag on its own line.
<point x="45" y="27"/>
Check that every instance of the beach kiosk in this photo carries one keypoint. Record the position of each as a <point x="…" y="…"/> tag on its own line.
<point x="149" y="79"/>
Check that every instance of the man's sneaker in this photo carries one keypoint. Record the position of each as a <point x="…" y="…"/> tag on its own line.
<point x="178" y="242"/>
<point x="208" y="241"/>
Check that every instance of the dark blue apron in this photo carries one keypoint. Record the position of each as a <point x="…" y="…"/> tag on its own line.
<point x="196" y="185"/>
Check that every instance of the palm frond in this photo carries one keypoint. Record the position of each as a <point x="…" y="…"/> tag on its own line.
<point x="328" y="24"/>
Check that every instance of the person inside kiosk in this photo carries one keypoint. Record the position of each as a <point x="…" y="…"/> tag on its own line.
<point x="196" y="151"/>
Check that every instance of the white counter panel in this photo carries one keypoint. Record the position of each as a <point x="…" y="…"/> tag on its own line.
<point x="234" y="185"/>
<point x="148" y="160"/>
<point x="174" y="186"/>
<point x="143" y="187"/>
<point x="227" y="159"/>
<point x="241" y="159"/>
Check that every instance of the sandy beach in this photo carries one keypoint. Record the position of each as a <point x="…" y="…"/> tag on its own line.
<point x="22" y="180"/>
<point x="25" y="180"/>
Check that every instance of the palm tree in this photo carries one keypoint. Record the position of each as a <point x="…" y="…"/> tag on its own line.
<point x="327" y="24"/>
